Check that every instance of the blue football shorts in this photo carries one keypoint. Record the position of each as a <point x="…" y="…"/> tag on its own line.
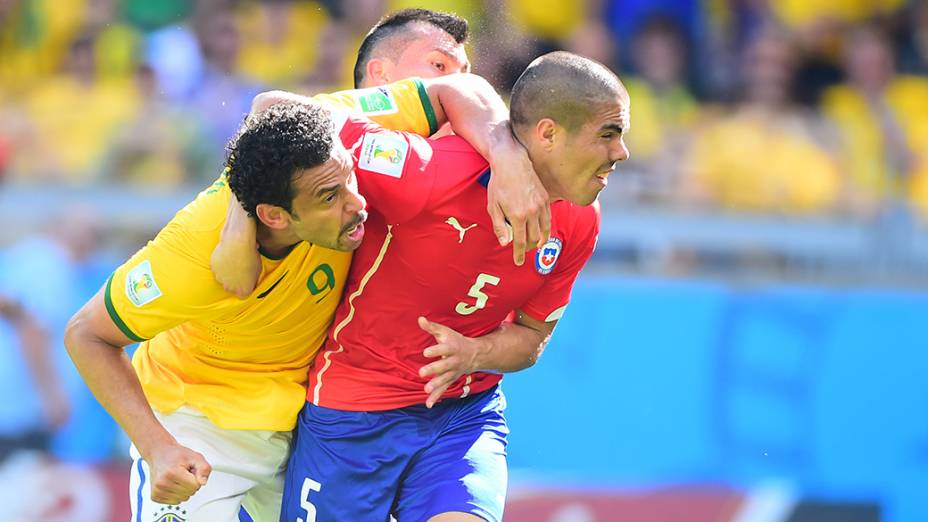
<point x="412" y="463"/>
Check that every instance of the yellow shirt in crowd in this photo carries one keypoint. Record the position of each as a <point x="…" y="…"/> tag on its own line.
<point x="863" y="137"/>
<point x="748" y="163"/>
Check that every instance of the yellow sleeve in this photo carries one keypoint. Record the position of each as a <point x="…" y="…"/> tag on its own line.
<point x="400" y="106"/>
<point x="169" y="280"/>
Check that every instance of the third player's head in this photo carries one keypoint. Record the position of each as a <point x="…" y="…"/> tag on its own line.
<point x="412" y="42"/>
<point x="571" y="113"/>
<point x="288" y="171"/>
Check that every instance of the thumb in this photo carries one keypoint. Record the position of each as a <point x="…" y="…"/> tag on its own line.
<point x="435" y="329"/>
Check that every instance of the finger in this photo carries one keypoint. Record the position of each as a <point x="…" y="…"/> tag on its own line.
<point x="545" y="226"/>
<point x="171" y="494"/>
<point x="172" y="498"/>
<point x="184" y="479"/>
<point x="433" y="398"/>
<point x="436" y="393"/>
<point x="438" y="367"/>
<point x="518" y="241"/>
<point x="439" y="331"/>
<point x="437" y="350"/>
<point x="533" y="232"/>
<point x="500" y="226"/>
<point x="426" y="326"/>
<point x="201" y="471"/>
<point x="441" y="382"/>
<point x="166" y="498"/>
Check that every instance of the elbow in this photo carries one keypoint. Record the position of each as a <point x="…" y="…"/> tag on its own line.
<point x="536" y="353"/>
<point x="532" y="358"/>
<point x="73" y="332"/>
<point x="266" y="99"/>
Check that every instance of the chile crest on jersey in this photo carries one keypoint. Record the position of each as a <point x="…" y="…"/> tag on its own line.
<point x="547" y="255"/>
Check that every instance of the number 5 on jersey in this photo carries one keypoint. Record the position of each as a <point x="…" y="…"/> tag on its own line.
<point x="476" y="292"/>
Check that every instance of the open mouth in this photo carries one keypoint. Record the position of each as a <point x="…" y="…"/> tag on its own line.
<point x="356" y="231"/>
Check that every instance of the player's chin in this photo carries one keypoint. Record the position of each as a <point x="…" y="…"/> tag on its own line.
<point x="586" y="197"/>
<point x="351" y="238"/>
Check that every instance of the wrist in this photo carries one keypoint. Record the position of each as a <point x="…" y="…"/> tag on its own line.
<point x="153" y="442"/>
<point x="481" y="351"/>
<point x="501" y="139"/>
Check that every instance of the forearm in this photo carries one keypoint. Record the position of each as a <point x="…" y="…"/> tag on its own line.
<point x="474" y="109"/>
<point x="510" y="348"/>
<point x="109" y="375"/>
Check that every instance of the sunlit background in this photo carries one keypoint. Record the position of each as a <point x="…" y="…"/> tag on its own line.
<point x="748" y="344"/>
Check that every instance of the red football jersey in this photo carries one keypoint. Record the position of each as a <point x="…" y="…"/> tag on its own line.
<point x="429" y="249"/>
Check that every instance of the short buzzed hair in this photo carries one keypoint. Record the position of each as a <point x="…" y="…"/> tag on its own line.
<point x="565" y="87"/>
<point x="395" y="22"/>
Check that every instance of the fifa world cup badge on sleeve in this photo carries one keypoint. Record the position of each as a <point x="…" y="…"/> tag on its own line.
<point x="547" y="256"/>
<point x="384" y="153"/>
<point x="141" y="287"/>
<point x="376" y="101"/>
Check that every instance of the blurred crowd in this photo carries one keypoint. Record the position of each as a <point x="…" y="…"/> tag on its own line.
<point x="798" y="107"/>
<point x="783" y="107"/>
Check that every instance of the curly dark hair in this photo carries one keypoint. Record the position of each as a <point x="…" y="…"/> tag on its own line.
<point x="271" y="147"/>
<point x="396" y="22"/>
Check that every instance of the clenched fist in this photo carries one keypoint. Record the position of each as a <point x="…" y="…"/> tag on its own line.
<point x="176" y="473"/>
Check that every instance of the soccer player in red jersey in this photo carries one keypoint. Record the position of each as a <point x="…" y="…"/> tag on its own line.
<point x="370" y="442"/>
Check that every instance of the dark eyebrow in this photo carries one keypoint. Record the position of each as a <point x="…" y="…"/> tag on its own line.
<point x="321" y="191"/>
<point x="452" y="57"/>
<point x="614" y="127"/>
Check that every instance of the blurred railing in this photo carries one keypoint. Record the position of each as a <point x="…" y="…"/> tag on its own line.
<point x="892" y="249"/>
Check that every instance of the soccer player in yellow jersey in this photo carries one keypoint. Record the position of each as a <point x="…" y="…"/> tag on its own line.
<point x="214" y="388"/>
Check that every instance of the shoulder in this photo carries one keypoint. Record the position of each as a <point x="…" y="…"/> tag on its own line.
<point x="455" y="153"/>
<point x="195" y="229"/>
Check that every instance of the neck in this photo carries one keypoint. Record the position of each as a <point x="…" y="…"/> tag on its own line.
<point x="275" y="243"/>
<point x="540" y="168"/>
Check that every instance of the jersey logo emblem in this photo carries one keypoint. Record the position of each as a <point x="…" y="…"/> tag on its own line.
<point x="384" y="153"/>
<point x="141" y="287"/>
<point x="453" y="221"/>
<point x="263" y="294"/>
<point x="376" y="101"/>
<point x="547" y="255"/>
<point x="170" y="514"/>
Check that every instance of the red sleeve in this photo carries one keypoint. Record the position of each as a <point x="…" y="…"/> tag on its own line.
<point x="549" y="303"/>
<point x="397" y="171"/>
<point x="392" y="168"/>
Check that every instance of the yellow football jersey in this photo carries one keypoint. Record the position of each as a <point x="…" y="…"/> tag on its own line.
<point x="242" y="363"/>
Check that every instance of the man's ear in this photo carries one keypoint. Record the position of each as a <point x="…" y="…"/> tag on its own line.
<point x="272" y="216"/>
<point x="378" y="71"/>
<point x="546" y="132"/>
